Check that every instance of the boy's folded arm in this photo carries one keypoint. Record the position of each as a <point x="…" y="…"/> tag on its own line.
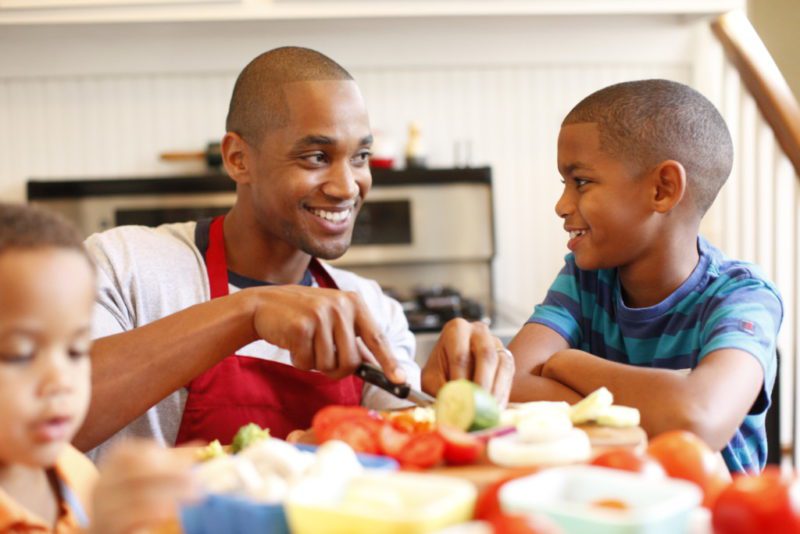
<point x="532" y="347"/>
<point x="710" y="401"/>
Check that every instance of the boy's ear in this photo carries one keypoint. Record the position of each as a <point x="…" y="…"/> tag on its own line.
<point x="235" y="157"/>
<point x="669" y="185"/>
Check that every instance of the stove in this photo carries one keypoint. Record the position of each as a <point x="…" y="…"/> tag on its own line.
<point x="427" y="309"/>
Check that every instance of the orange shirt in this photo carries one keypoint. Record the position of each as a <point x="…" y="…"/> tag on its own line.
<point x="77" y="473"/>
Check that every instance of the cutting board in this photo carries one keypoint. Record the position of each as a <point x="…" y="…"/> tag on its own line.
<point x="602" y="438"/>
<point x="484" y="472"/>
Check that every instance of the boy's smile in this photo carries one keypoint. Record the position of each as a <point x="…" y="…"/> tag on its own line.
<point x="604" y="204"/>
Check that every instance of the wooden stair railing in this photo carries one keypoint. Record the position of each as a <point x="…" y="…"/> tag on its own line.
<point x="763" y="79"/>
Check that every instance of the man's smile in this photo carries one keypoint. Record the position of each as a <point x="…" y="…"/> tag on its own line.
<point x="332" y="215"/>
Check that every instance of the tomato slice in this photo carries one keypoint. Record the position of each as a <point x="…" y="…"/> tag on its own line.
<point x="460" y="448"/>
<point x="422" y="451"/>
<point x="330" y="417"/>
<point x="392" y="441"/>
<point x="360" y="433"/>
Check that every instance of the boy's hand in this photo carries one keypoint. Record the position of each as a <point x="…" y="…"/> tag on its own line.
<point x="140" y="488"/>
<point x="469" y="350"/>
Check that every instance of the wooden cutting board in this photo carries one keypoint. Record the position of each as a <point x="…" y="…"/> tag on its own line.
<point x="607" y="437"/>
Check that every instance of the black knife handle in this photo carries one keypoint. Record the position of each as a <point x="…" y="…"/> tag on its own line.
<point x="373" y="375"/>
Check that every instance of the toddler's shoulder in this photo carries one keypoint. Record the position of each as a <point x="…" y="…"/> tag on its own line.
<point x="77" y="471"/>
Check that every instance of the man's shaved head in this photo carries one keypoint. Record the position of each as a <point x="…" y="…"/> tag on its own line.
<point x="258" y="103"/>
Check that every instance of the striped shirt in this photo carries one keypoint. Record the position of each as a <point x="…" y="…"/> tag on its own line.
<point x="724" y="304"/>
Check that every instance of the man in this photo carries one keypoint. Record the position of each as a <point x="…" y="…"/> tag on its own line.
<point x="175" y="301"/>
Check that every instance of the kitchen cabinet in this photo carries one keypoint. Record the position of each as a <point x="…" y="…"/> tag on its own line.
<point x="40" y="4"/>
<point x="150" y="11"/>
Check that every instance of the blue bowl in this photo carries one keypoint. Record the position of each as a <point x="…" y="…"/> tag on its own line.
<point x="234" y="515"/>
<point x="239" y="515"/>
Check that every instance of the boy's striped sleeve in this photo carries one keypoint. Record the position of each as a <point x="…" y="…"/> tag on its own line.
<point x="561" y="309"/>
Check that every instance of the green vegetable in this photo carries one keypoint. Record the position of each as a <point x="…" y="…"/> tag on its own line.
<point x="247" y="435"/>
<point x="466" y="406"/>
<point x="212" y="450"/>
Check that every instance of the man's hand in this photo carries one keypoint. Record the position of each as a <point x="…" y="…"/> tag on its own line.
<point x="469" y="350"/>
<point x="140" y="488"/>
<point x="328" y="330"/>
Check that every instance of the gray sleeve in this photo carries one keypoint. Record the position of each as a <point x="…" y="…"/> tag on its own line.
<point x="111" y="314"/>
<point x="145" y="274"/>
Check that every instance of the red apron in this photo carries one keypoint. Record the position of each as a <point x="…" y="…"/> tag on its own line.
<point x="242" y="389"/>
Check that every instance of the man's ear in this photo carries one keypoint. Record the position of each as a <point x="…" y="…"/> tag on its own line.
<point x="235" y="157"/>
<point x="669" y="180"/>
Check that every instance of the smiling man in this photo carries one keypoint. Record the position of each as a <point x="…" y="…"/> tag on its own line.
<point x="207" y="325"/>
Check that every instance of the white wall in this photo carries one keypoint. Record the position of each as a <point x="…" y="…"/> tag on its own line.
<point x="104" y="100"/>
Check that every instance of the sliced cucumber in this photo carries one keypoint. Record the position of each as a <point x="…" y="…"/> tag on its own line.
<point x="619" y="416"/>
<point x="591" y="407"/>
<point x="467" y="406"/>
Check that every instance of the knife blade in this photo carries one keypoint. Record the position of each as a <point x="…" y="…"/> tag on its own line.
<point x="375" y="376"/>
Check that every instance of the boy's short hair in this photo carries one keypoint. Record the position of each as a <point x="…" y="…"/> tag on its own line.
<point x="646" y="122"/>
<point x="28" y="227"/>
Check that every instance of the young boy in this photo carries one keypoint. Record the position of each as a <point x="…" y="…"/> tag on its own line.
<point x="644" y="306"/>
<point x="46" y="301"/>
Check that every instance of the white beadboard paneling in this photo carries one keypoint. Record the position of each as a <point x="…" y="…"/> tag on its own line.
<point x="729" y="196"/>
<point x="765" y="235"/>
<point x="105" y="126"/>
<point x="746" y="147"/>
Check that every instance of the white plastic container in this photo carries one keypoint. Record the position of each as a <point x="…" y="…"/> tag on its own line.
<point x="571" y="496"/>
<point x="386" y="503"/>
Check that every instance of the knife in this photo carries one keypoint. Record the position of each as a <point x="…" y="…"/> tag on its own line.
<point x="376" y="377"/>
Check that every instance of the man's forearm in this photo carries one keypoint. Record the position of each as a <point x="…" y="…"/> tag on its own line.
<point x="134" y="370"/>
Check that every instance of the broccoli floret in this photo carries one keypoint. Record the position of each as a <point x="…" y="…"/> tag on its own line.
<point x="247" y="435"/>
<point x="212" y="450"/>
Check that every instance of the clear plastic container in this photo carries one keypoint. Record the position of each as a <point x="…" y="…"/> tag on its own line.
<point x="386" y="503"/>
<point x="598" y="500"/>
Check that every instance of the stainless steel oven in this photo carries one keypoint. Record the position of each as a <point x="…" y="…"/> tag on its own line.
<point x="96" y="205"/>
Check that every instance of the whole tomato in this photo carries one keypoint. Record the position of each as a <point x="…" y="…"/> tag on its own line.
<point x="628" y="460"/>
<point x="765" y="503"/>
<point x="684" y="455"/>
<point x="488" y="504"/>
<point x="523" y="524"/>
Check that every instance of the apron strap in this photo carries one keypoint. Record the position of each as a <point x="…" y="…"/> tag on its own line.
<point x="217" y="264"/>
